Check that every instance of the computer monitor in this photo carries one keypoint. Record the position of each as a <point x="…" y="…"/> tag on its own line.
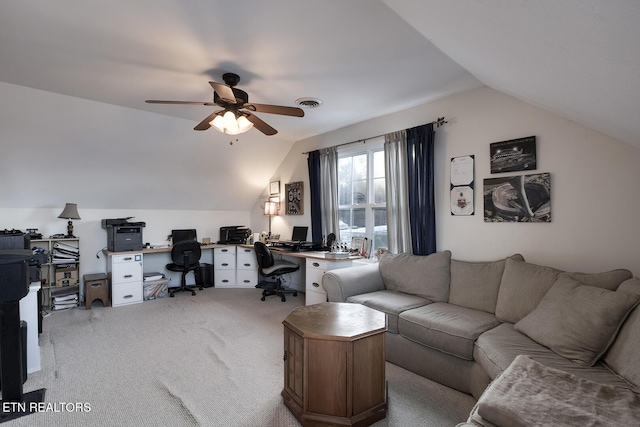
<point x="186" y="234"/>
<point x="299" y="234"/>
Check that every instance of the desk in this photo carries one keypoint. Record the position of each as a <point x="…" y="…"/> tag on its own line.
<point x="126" y="272"/>
<point x="313" y="264"/>
<point x="160" y="249"/>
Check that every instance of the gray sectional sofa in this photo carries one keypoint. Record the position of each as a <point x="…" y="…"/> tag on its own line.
<point x="477" y="326"/>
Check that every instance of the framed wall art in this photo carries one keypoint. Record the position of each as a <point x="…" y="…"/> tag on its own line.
<point x="523" y="198"/>
<point x="295" y="200"/>
<point x="462" y="185"/>
<point x="274" y="188"/>
<point x="513" y="155"/>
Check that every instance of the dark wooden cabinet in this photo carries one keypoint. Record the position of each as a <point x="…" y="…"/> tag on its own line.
<point x="334" y="365"/>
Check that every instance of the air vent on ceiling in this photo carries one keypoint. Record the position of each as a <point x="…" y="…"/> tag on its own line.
<point x="308" y="102"/>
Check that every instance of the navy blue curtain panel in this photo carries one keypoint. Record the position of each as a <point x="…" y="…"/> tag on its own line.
<point x="313" y="161"/>
<point x="422" y="213"/>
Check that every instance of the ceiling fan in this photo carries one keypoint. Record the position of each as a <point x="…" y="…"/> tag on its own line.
<point x="236" y="115"/>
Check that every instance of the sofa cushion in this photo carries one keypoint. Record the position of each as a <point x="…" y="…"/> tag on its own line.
<point x="446" y="327"/>
<point x="495" y="350"/>
<point x="424" y="276"/>
<point x="608" y="280"/>
<point x="390" y="302"/>
<point x="576" y="321"/>
<point x="623" y="355"/>
<point x="522" y="287"/>
<point x="476" y="284"/>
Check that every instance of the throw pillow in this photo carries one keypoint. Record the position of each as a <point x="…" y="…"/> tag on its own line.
<point x="425" y="276"/>
<point x="522" y="287"/>
<point x="576" y="321"/>
<point x="475" y="284"/>
<point x="622" y="356"/>
<point x="606" y="280"/>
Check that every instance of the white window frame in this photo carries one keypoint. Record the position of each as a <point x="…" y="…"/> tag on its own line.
<point x="369" y="147"/>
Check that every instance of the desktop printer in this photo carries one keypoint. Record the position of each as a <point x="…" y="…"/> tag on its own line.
<point x="234" y="234"/>
<point x="122" y="235"/>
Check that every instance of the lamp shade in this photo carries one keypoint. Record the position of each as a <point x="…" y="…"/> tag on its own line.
<point x="70" y="212"/>
<point x="270" y="208"/>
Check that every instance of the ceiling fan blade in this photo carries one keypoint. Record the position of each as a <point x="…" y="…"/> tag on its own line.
<point x="155" y="101"/>
<point x="275" y="109"/>
<point x="204" y="125"/>
<point x="224" y="92"/>
<point x="261" y="125"/>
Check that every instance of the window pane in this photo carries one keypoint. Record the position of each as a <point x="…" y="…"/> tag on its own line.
<point x="379" y="228"/>
<point x="352" y="224"/>
<point x="379" y="191"/>
<point x="378" y="164"/>
<point x="360" y="167"/>
<point x="359" y="192"/>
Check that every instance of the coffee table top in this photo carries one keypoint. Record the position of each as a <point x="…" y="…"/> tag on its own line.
<point x="336" y="321"/>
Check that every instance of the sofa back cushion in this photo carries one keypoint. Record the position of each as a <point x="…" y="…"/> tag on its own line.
<point x="424" y="276"/>
<point x="522" y="287"/>
<point x="622" y="356"/>
<point x="476" y="284"/>
<point x="576" y="321"/>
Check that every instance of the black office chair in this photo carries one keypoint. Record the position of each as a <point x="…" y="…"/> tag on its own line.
<point x="268" y="267"/>
<point x="186" y="257"/>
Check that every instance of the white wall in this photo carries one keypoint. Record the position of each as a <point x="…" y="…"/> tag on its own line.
<point x="594" y="182"/>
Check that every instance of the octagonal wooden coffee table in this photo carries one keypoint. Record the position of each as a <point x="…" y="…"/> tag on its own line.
<point x="334" y="370"/>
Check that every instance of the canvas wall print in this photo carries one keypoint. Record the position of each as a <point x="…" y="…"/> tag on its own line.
<point x="293" y="192"/>
<point x="524" y="198"/>
<point x="514" y="155"/>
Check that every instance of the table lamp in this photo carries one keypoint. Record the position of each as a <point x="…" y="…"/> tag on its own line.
<point x="70" y="212"/>
<point x="270" y="209"/>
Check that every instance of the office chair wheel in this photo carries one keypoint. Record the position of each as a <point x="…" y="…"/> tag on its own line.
<point x="171" y="295"/>
<point x="263" y="298"/>
<point x="295" y="294"/>
<point x="284" y="299"/>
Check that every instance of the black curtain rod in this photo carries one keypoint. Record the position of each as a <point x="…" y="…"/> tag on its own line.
<point x="440" y="121"/>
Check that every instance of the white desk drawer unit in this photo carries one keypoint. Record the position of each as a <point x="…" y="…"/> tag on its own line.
<point x="247" y="268"/>
<point x="315" y="293"/>
<point x="126" y="279"/>
<point x="224" y="266"/>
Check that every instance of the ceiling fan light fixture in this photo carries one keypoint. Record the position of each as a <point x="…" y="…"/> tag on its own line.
<point x="230" y="124"/>
<point x="218" y="123"/>
<point x="244" y="124"/>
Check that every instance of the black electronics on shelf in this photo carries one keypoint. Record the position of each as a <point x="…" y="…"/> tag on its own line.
<point x="122" y="235"/>
<point x="234" y="234"/>
<point x="14" y="285"/>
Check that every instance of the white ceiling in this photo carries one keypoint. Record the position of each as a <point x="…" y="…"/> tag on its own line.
<point x="363" y="58"/>
<point x="578" y="58"/>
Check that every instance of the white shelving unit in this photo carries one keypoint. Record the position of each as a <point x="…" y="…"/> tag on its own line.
<point x="61" y="275"/>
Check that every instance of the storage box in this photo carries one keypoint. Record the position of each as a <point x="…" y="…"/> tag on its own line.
<point x="69" y="273"/>
<point x="155" y="289"/>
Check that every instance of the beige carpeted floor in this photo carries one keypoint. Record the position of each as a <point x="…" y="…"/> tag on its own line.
<point x="214" y="359"/>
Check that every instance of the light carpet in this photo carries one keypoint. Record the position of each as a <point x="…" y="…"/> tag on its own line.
<point x="214" y="359"/>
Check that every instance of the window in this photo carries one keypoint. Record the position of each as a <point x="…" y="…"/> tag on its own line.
<point x="361" y="193"/>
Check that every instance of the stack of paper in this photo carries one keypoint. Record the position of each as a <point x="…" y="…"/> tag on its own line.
<point x="63" y="253"/>
<point x="64" y="302"/>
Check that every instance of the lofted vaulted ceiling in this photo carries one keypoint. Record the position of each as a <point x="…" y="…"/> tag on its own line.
<point x="362" y="58"/>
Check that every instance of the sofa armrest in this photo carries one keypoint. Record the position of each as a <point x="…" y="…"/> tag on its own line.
<point x="342" y="283"/>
